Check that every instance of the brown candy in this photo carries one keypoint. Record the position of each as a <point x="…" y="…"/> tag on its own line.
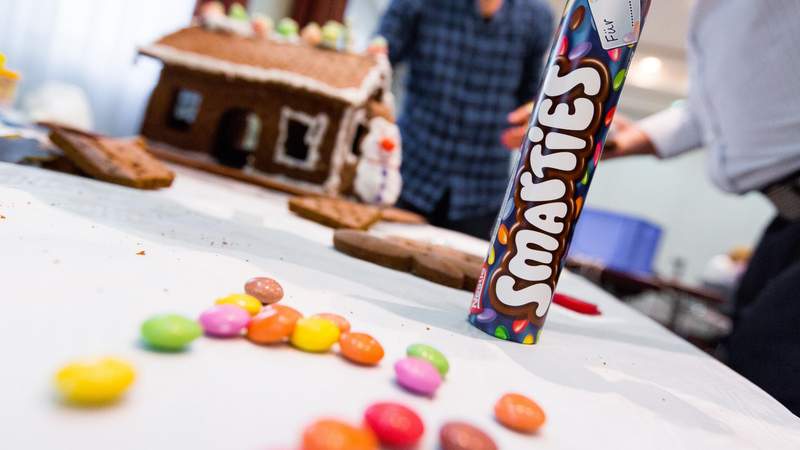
<point x="266" y="290"/>
<point x="577" y="18"/>
<point x="463" y="436"/>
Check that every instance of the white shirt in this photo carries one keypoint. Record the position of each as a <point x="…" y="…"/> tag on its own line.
<point x="744" y="95"/>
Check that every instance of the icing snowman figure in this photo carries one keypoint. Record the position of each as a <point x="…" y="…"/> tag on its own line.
<point x="378" y="179"/>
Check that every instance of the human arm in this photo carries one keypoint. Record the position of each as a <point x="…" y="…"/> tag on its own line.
<point x="399" y="27"/>
<point x="665" y="134"/>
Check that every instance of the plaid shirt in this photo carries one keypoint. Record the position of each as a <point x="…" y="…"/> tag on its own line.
<point x="465" y="75"/>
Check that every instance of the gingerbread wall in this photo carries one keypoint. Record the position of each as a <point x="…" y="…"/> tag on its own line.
<point x="221" y="94"/>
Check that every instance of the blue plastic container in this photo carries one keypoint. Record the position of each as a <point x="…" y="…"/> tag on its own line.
<point x="617" y="241"/>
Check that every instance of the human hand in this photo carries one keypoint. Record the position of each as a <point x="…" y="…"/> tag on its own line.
<point x="627" y="139"/>
<point x="513" y="136"/>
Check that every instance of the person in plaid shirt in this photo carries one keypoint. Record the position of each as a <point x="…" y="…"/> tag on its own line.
<point x="470" y="63"/>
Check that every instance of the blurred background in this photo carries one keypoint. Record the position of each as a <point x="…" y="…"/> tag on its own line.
<point x="92" y="44"/>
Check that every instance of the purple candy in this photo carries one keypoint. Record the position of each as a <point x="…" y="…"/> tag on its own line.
<point x="417" y="375"/>
<point x="580" y="50"/>
<point x="486" y="316"/>
<point x="224" y="320"/>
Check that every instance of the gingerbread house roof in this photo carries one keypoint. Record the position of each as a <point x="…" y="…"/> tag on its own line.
<point x="349" y="77"/>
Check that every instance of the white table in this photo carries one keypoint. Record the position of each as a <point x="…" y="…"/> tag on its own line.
<point x="73" y="285"/>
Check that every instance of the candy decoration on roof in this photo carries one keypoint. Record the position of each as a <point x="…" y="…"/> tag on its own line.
<point x="312" y="34"/>
<point x="211" y="9"/>
<point x="287" y="28"/>
<point x="238" y="12"/>
<point x="262" y="26"/>
<point x="332" y="32"/>
<point x="378" y="46"/>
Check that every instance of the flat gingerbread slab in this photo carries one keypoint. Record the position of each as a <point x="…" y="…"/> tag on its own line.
<point x="120" y="161"/>
<point x="335" y="212"/>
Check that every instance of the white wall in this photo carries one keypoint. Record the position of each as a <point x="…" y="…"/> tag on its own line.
<point x="277" y="9"/>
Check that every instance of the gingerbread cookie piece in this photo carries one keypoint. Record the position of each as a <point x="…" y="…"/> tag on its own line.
<point x="119" y="161"/>
<point x="469" y="264"/>
<point x="398" y="215"/>
<point x="334" y="212"/>
<point x="362" y="245"/>
<point x="438" y="270"/>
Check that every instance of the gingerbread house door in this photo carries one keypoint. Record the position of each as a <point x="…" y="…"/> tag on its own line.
<point x="237" y="137"/>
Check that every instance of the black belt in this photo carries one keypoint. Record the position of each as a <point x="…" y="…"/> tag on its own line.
<point x="785" y="195"/>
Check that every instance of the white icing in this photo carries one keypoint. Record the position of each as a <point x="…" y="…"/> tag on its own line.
<point x="317" y="125"/>
<point x="340" y="153"/>
<point x="372" y="82"/>
<point x="378" y="178"/>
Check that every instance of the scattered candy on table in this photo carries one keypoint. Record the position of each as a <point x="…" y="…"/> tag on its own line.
<point x="430" y="354"/>
<point x="417" y="375"/>
<point x="463" y="436"/>
<point x="247" y="302"/>
<point x="394" y="424"/>
<point x="332" y="434"/>
<point x="224" y="320"/>
<point x="360" y="348"/>
<point x="519" y="413"/>
<point x="341" y="322"/>
<point x="314" y="334"/>
<point x="574" y="304"/>
<point x="266" y="290"/>
<point x="94" y="381"/>
<point x="170" y="332"/>
<point x="273" y="325"/>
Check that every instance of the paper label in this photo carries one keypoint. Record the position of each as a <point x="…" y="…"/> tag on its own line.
<point x="618" y="22"/>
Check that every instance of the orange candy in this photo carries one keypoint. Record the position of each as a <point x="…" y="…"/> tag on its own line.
<point x="341" y="322"/>
<point x="360" y="348"/>
<point x="519" y="413"/>
<point x="274" y="324"/>
<point x="332" y="434"/>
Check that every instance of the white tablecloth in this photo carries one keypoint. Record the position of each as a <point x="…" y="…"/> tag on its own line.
<point x="73" y="285"/>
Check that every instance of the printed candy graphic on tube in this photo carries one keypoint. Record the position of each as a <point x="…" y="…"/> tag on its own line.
<point x="577" y="100"/>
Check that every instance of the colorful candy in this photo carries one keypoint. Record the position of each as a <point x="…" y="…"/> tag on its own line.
<point x="502" y="234"/>
<point x="360" y="348"/>
<point x="94" y="381"/>
<point x="417" y="375"/>
<point x="394" y="424"/>
<point x="580" y="50"/>
<point x="244" y="301"/>
<point x="266" y="290"/>
<point x="224" y="320"/>
<point x="262" y="27"/>
<point x="274" y="324"/>
<point x="430" y="354"/>
<point x="486" y="316"/>
<point x="619" y="79"/>
<point x="519" y="413"/>
<point x="463" y="436"/>
<point x="311" y="34"/>
<point x="332" y="434"/>
<point x="341" y="322"/>
<point x="170" y="332"/>
<point x="577" y="18"/>
<point x="238" y="12"/>
<point x="315" y="335"/>
<point x="287" y="28"/>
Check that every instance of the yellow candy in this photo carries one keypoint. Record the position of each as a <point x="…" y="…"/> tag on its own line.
<point x="94" y="381"/>
<point x="315" y="334"/>
<point x="247" y="302"/>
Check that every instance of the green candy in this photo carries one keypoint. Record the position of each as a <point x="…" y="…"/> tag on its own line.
<point x="287" y="28"/>
<point x="238" y="12"/>
<point x="619" y="79"/>
<point x="501" y="333"/>
<point x="170" y="332"/>
<point x="430" y="354"/>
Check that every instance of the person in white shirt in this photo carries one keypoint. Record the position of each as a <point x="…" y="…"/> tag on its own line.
<point x="744" y="107"/>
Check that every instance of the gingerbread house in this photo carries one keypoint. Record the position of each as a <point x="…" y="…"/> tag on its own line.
<point x="294" y="112"/>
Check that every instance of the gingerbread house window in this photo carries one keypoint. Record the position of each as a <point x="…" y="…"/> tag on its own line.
<point x="185" y="108"/>
<point x="300" y="138"/>
<point x="238" y="135"/>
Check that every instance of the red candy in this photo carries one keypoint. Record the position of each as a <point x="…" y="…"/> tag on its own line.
<point x="579" y="306"/>
<point x="394" y="424"/>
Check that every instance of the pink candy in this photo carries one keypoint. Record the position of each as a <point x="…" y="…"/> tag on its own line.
<point x="224" y="320"/>
<point x="417" y="375"/>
